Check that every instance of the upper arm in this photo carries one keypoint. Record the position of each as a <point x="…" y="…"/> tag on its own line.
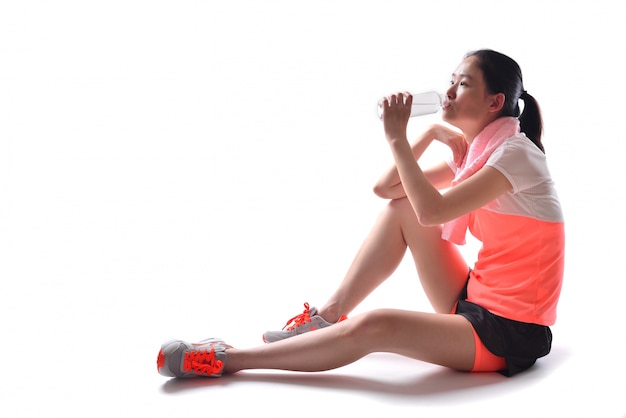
<point x="475" y="192"/>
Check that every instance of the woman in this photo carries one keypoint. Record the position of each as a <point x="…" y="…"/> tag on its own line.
<point x="493" y="317"/>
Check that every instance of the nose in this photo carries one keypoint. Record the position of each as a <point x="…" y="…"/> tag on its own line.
<point x="451" y="92"/>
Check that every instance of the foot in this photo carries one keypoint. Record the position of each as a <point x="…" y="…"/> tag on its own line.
<point x="307" y="321"/>
<point x="182" y="359"/>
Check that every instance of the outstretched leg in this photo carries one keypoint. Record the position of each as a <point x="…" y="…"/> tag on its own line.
<point x="440" y="266"/>
<point x="442" y="339"/>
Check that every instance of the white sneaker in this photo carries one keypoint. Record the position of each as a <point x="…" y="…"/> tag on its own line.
<point x="178" y="358"/>
<point x="299" y="324"/>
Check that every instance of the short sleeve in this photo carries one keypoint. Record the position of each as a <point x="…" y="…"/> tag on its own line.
<point x="521" y="162"/>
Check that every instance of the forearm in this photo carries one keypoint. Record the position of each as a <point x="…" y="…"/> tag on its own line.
<point x="424" y="197"/>
<point x="389" y="185"/>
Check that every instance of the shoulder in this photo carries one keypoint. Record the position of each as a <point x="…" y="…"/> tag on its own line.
<point x="518" y="147"/>
<point x="521" y="161"/>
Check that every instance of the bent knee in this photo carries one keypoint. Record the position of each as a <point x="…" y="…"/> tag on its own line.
<point x="372" y="325"/>
<point x="401" y="205"/>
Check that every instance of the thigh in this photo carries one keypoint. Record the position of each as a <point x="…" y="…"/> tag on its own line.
<point x="440" y="265"/>
<point x="444" y="339"/>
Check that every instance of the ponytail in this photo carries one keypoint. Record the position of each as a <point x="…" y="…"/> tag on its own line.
<point x="530" y="120"/>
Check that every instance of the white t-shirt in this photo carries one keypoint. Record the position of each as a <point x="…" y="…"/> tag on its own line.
<point x="533" y="194"/>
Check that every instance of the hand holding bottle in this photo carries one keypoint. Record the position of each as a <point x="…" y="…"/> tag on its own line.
<point x="396" y="112"/>
<point x="422" y="104"/>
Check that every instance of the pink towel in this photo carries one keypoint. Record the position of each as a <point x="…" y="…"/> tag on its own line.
<point x="479" y="151"/>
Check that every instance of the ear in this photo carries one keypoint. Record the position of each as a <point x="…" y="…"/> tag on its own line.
<point x="497" y="102"/>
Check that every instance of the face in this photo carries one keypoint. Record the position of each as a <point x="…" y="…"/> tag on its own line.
<point x="469" y="106"/>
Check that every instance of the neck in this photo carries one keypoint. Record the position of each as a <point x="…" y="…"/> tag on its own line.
<point x="471" y="132"/>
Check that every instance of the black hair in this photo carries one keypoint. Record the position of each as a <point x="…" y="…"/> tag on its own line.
<point x="503" y="75"/>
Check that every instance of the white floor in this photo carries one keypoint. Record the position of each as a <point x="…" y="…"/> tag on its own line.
<point x="194" y="169"/>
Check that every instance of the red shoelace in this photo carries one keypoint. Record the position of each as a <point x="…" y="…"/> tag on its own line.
<point x="202" y="362"/>
<point x="300" y="319"/>
<point x="304" y="317"/>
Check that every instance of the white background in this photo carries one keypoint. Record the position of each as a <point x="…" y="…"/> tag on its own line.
<point x="196" y="168"/>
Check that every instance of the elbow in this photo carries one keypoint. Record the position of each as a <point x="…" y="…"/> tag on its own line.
<point x="426" y="220"/>
<point x="381" y="191"/>
<point x="389" y="192"/>
<point x="431" y="211"/>
<point x="429" y="217"/>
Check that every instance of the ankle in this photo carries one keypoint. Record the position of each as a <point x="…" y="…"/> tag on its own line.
<point x="330" y="313"/>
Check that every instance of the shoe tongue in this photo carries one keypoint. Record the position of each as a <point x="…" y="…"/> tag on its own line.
<point x="312" y="311"/>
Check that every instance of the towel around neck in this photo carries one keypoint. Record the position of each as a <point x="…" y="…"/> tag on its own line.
<point x="490" y="138"/>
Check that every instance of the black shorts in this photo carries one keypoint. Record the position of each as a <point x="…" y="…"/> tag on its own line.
<point x="520" y="343"/>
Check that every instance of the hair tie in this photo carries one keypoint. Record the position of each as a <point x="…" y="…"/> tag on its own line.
<point x="524" y="93"/>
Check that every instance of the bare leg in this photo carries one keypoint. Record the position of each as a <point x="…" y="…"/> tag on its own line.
<point x="440" y="266"/>
<point x="441" y="339"/>
<point x="438" y="338"/>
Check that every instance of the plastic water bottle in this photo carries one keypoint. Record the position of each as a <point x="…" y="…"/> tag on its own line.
<point x="423" y="104"/>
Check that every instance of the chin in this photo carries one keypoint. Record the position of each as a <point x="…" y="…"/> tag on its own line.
<point x="448" y="119"/>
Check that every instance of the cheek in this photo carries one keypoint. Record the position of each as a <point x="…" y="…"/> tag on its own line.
<point x="468" y="106"/>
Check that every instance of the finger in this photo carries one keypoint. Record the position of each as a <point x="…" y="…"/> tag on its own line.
<point x="408" y="98"/>
<point x="384" y="102"/>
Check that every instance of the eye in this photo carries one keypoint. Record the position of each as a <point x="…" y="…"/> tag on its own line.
<point x="461" y="83"/>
